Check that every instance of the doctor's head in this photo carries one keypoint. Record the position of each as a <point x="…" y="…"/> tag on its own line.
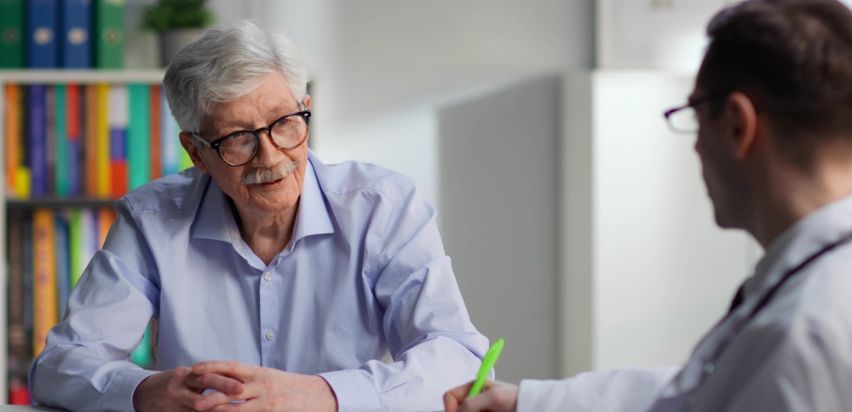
<point x="773" y="100"/>
<point x="239" y="96"/>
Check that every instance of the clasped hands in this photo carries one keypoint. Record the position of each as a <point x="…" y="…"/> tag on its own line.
<point x="228" y="386"/>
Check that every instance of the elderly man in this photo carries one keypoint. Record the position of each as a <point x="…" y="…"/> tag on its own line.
<point x="278" y="282"/>
<point x="772" y="108"/>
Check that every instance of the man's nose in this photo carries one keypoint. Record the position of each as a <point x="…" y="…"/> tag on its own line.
<point x="267" y="152"/>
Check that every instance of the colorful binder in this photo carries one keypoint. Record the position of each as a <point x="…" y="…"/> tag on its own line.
<point x="49" y="140"/>
<point x="90" y="143"/>
<point x="60" y="142"/>
<point x="76" y="27"/>
<point x="118" y="121"/>
<point x="154" y="114"/>
<point x="109" y="28"/>
<point x="74" y="159"/>
<point x="77" y="258"/>
<point x="44" y="277"/>
<point x="36" y="139"/>
<point x="63" y="277"/>
<point x="14" y="141"/>
<point x="139" y="136"/>
<point x="169" y="138"/>
<point x="42" y="28"/>
<point x="101" y="126"/>
<point x="11" y="34"/>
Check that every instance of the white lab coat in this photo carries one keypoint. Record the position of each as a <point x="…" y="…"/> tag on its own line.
<point x="794" y="355"/>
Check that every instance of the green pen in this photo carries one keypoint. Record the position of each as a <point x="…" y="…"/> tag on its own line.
<point x="487" y="363"/>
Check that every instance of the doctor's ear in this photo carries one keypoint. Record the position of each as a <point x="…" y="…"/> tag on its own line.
<point x="307" y="102"/>
<point x="744" y="124"/>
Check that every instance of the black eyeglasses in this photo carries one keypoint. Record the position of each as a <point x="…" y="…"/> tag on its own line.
<point x="239" y="148"/>
<point x="683" y="119"/>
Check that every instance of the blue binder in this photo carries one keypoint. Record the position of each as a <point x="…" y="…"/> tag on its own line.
<point x="42" y="25"/>
<point x="37" y="139"/>
<point x="76" y="34"/>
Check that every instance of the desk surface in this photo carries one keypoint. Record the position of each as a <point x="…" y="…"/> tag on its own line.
<point x="23" y="408"/>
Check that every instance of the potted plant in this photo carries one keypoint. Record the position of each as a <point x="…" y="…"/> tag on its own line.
<point x="178" y="23"/>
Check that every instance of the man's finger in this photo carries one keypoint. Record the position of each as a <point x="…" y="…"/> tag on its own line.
<point x="451" y="404"/>
<point x="227" y="407"/>
<point x="454" y="397"/>
<point x="481" y="402"/>
<point x="211" y="400"/>
<point x="176" y="389"/>
<point x="221" y="383"/>
<point x="233" y="369"/>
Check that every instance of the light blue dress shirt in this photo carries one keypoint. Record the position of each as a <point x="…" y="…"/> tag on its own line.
<point x="363" y="295"/>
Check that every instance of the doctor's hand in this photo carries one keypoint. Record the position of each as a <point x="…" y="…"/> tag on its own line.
<point x="265" y="389"/>
<point x="496" y="396"/>
<point x="180" y="390"/>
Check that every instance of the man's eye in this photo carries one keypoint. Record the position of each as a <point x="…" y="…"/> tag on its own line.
<point x="282" y="122"/>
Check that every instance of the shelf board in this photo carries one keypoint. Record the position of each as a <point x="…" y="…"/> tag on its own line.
<point x="35" y="76"/>
<point x="58" y="203"/>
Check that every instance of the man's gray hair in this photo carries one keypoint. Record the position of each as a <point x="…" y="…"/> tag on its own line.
<point x="226" y="63"/>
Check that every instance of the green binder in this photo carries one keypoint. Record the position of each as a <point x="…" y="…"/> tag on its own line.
<point x="11" y="34"/>
<point x="109" y="34"/>
<point x="61" y="144"/>
<point x="139" y="136"/>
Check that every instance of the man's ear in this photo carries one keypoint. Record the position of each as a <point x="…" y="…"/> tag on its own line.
<point x="745" y="127"/>
<point x="307" y="102"/>
<point x="186" y="140"/>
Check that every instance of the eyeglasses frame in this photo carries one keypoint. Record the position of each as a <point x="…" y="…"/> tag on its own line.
<point x="217" y="143"/>
<point x="691" y="104"/>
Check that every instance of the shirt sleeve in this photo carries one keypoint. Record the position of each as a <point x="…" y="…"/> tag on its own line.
<point x="85" y="364"/>
<point x="612" y="391"/>
<point x="808" y="370"/>
<point x="430" y="336"/>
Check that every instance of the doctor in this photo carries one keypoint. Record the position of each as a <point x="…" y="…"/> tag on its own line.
<point x="772" y="111"/>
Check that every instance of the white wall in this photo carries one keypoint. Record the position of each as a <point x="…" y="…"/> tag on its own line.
<point x="649" y="271"/>
<point x="378" y="64"/>
<point x="653" y="34"/>
<point x="499" y="190"/>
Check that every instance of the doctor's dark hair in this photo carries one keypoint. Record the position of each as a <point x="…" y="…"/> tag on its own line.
<point x="794" y="59"/>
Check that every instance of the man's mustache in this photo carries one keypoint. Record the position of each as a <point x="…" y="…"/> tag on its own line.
<point x="269" y="175"/>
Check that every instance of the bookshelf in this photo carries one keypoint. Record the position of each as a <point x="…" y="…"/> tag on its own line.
<point x="13" y="203"/>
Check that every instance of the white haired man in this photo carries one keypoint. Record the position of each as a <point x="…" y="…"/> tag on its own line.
<point x="277" y="282"/>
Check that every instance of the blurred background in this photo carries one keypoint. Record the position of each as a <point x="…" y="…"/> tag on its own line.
<point x="578" y="225"/>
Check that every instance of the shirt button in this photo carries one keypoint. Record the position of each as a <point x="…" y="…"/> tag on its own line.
<point x="267" y="276"/>
<point x="270" y="335"/>
<point x="709" y="367"/>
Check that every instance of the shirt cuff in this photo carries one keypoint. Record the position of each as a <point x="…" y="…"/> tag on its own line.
<point x="532" y="395"/>
<point x="354" y="390"/>
<point x="119" y="393"/>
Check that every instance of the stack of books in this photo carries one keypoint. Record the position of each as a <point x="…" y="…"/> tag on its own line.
<point x="92" y="141"/>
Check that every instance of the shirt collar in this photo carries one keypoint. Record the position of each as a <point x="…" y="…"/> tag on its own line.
<point x="815" y="231"/>
<point x="213" y="211"/>
<point x="313" y="217"/>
